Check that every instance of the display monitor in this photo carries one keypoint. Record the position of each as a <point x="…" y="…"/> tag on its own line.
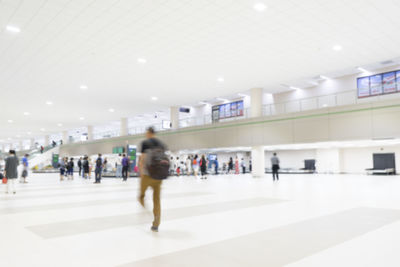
<point x="376" y="84"/>
<point x="398" y="80"/>
<point x="228" y="110"/>
<point x="222" y="112"/>
<point x="240" y="108"/>
<point x="212" y="157"/>
<point x="389" y="82"/>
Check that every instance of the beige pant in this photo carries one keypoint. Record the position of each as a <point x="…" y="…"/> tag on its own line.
<point x="10" y="185"/>
<point x="147" y="181"/>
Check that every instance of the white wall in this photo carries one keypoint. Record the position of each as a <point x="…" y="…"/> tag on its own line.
<point x="290" y="158"/>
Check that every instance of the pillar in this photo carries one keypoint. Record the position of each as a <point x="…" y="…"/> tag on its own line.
<point x="3" y="148"/>
<point x="21" y="145"/>
<point x="46" y="140"/>
<point x="174" y="117"/>
<point x="124" y="127"/>
<point x="256" y="102"/>
<point x="258" y="161"/>
<point x="65" y="138"/>
<point x="32" y="145"/>
<point x="90" y="133"/>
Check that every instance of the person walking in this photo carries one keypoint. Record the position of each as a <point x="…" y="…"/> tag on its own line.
<point x="148" y="147"/>
<point x="105" y="162"/>
<point x="230" y="165"/>
<point x="118" y="172"/>
<point x="275" y="167"/>
<point x="25" y="168"/>
<point x="85" y="165"/>
<point x="98" y="170"/>
<point x="236" y="165"/>
<point x="61" y="164"/>
<point x="243" y="165"/>
<point x="196" y="165"/>
<point x="11" y="171"/>
<point x="188" y="166"/>
<point x="41" y="149"/>
<point x="80" y="166"/>
<point x="125" y="168"/>
<point x="203" y="167"/>
<point x="70" y="169"/>
<point x="216" y="165"/>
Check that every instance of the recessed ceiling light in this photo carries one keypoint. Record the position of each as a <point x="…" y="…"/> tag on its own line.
<point x="260" y="7"/>
<point x="203" y="103"/>
<point x="82" y="118"/>
<point x="221" y="79"/>
<point x="13" y="29"/>
<point x="294" y="88"/>
<point x="42" y="129"/>
<point x="10" y="121"/>
<point x="324" y="105"/>
<point x="242" y="95"/>
<point x="26" y="113"/>
<point x="8" y="138"/>
<point x="83" y="87"/>
<point x="337" y="47"/>
<point x="29" y="133"/>
<point x="18" y="136"/>
<point x="154" y="98"/>
<point x="49" y="103"/>
<point x="222" y="99"/>
<point x="324" y="77"/>
<point x="141" y="60"/>
<point x="59" y="124"/>
<point x="111" y="110"/>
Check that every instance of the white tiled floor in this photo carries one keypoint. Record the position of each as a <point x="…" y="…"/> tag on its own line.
<point x="46" y="222"/>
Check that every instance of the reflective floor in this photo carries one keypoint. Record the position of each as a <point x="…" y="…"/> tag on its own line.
<point x="236" y="220"/>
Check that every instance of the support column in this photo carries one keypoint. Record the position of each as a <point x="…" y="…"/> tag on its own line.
<point x="124" y="127"/>
<point x="65" y="137"/>
<point x="3" y="148"/>
<point x="258" y="161"/>
<point x="21" y="145"/>
<point x="46" y="140"/>
<point x="174" y="118"/>
<point x="90" y="133"/>
<point x="256" y="102"/>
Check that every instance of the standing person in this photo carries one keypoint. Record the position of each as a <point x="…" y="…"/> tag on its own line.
<point x="230" y="165"/>
<point x="80" y="166"/>
<point x="243" y="164"/>
<point x="11" y="171"/>
<point x="41" y="149"/>
<point x="178" y="167"/>
<point x="171" y="166"/>
<point x="90" y="168"/>
<point x="25" y="168"/>
<point x="61" y="163"/>
<point x="105" y="165"/>
<point x="275" y="167"/>
<point x="250" y="166"/>
<point x="85" y="170"/>
<point x="98" y="170"/>
<point x="149" y="147"/>
<point x="125" y="167"/>
<point x="53" y="143"/>
<point x="236" y="165"/>
<point x="216" y="166"/>
<point x="70" y="169"/>
<point x="118" y="166"/>
<point x="195" y="165"/>
<point x="203" y="167"/>
<point x="188" y="166"/>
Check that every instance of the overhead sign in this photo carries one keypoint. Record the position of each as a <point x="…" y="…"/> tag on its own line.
<point x="378" y="84"/>
<point x="228" y="110"/>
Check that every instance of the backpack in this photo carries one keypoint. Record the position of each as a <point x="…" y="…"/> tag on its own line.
<point x="157" y="163"/>
<point x="98" y="163"/>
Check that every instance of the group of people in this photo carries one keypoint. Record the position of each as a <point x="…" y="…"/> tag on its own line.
<point x="11" y="171"/>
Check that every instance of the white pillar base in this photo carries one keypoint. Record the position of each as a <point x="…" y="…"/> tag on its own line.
<point x="258" y="161"/>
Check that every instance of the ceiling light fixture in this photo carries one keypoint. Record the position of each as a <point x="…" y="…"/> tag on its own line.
<point x="294" y="88"/>
<point x="10" y="121"/>
<point x="29" y="133"/>
<point x="18" y="136"/>
<point x="221" y="99"/>
<point x="49" y="103"/>
<point x="83" y="87"/>
<point x="260" y="7"/>
<point x="26" y="113"/>
<point x="362" y="69"/>
<point x="13" y="29"/>
<point x="81" y="118"/>
<point x="221" y="79"/>
<point x="59" y="124"/>
<point x="154" y="98"/>
<point x="242" y="95"/>
<point x="324" y="77"/>
<point x="141" y="60"/>
<point x="337" y="47"/>
<point x="203" y="103"/>
<point x="42" y="129"/>
<point x="111" y="110"/>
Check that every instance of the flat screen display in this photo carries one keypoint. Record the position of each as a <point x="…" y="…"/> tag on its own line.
<point x="240" y="108"/>
<point x="363" y="87"/>
<point x="212" y="157"/>
<point x="227" y="110"/>
<point x="222" y="112"/>
<point x="389" y="82"/>
<point x="376" y="84"/>
<point x="398" y="80"/>
<point x="234" y="109"/>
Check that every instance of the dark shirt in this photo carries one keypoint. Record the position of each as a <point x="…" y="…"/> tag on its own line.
<point x="152" y="143"/>
<point x="12" y="163"/>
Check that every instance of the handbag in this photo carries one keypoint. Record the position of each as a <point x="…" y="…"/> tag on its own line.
<point x="4" y="180"/>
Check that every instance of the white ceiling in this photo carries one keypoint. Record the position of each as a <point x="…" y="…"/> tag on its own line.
<point x="188" y="44"/>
